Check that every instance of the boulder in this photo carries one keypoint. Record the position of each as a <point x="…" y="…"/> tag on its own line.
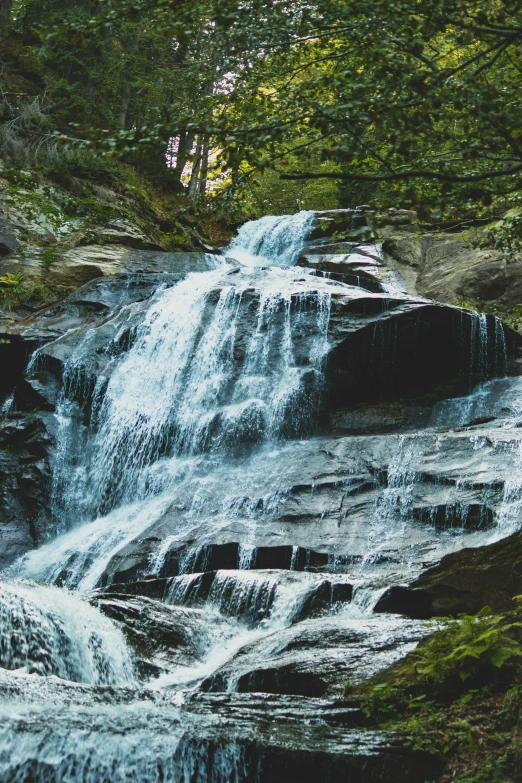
<point x="468" y="580"/>
<point x="162" y="637"/>
<point x="405" y="600"/>
<point x="8" y="243"/>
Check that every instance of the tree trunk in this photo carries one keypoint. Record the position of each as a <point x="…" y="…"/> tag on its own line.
<point x="194" y="177"/>
<point x="204" y="167"/>
<point x="186" y="140"/>
<point x="5" y="17"/>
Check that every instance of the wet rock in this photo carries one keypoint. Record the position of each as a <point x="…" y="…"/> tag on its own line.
<point x="474" y="516"/>
<point x="92" y="305"/>
<point x="393" y="348"/>
<point x="322" y="598"/>
<point x="212" y="557"/>
<point x="407" y="601"/>
<point x="25" y="481"/>
<point x="334" y="492"/>
<point x="219" y="737"/>
<point x="150" y="587"/>
<point x="343" y="223"/>
<point x="162" y="637"/>
<point x="316" y="656"/>
<point x="381" y="347"/>
<point x="468" y="580"/>
<point x="283" y="680"/>
<point x="246" y="596"/>
<point x="365" y="281"/>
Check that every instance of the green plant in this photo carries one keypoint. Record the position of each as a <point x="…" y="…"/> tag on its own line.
<point x="48" y="257"/>
<point x="467" y="645"/>
<point x="13" y="282"/>
<point x="505" y="236"/>
<point x="490" y="771"/>
<point x="464" y="651"/>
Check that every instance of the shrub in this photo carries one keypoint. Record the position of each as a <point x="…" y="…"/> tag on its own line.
<point x="465" y="652"/>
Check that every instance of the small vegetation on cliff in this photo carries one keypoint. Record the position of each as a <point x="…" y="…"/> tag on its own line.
<point x="457" y="696"/>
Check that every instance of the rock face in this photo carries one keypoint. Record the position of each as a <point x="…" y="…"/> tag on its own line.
<point x="468" y="580"/>
<point x="447" y="266"/>
<point x="25" y="481"/>
<point x="56" y="239"/>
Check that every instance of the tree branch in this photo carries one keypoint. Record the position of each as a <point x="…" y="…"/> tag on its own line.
<point x="406" y="175"/>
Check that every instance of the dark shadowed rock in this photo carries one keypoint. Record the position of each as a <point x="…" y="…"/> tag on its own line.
<point x="8" y="243"/>
<point x="407" y="601"/>
<point x="322" y="598"/>
<point x="468" y="580"/>
<point x="25" y="482"/>
<point x="162" y="637"/>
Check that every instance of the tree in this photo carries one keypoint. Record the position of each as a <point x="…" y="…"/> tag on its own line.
<point x="417" y="102"/>
<point x="5" y="17"/>
<point x="398" y="93"/>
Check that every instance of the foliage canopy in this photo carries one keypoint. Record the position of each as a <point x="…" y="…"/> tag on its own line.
<point x="404" y="102"/>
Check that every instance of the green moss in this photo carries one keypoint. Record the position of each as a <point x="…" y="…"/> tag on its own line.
<point x="19" y="177"/>
<point x="177" y="240"/>
<point x="14" y="291"/>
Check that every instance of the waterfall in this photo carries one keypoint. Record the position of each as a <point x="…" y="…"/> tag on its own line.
<point x="272" y="239"/>
<point x="47" y="631"/>
<point x="184" y="387"/>
<point x="237" y="542"/>
<point x="223" y="363"/>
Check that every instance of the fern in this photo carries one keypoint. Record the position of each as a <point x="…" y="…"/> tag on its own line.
<point x="466" y="645"/>
<point x="467" y="648"/>
<point x="12" y="280"/>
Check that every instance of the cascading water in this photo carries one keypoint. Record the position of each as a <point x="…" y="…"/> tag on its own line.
<point x="271" y="239"/>
<point x="221" y="362"/>
<point x="46" y="631"/>
<point x="196" y="433"/>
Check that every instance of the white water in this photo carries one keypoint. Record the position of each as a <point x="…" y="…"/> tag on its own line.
<point x="110" y="744"/>
<point x="45" y="630"/>
<point x="271" y="240"/>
